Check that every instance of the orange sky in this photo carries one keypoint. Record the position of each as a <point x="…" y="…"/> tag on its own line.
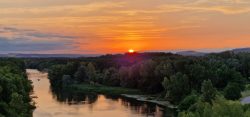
<point x="114" y="26"/>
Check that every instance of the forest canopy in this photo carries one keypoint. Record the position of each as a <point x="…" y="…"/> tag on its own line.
<point x="15" y="88"/>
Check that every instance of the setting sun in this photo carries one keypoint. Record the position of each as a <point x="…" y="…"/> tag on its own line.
<point x="131" y="51"/>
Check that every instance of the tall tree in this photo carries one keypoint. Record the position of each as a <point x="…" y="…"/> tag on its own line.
<point x="177" y="87"/>
<point x="208" y="91"/>
<point x="81" y="74"/>
<point x="91" y="72"/>
<point x="111" y="77"/>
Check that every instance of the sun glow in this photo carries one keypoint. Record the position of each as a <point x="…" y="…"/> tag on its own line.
<point x="131" y="51"/>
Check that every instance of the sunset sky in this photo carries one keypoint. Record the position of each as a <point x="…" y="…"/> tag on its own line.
<point x="114" y="26"/>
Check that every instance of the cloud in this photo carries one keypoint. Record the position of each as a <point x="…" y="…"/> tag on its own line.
<point x="221" y="6"/>
<point x="98" y="25"/>
<point x="48" y="35"/>
<point x="21" y="40"/>
<point x="10" y="29"/>
<point x="33" y="33"/>
<point x="20" y="44"/>
<point x="59" y="10"/>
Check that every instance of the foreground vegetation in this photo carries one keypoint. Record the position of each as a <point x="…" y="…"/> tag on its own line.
<point x="14" y="89"/>
<point x="200" y="86"/>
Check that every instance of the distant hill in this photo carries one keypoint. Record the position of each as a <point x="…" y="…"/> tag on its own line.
<point x="140" y="55"/>
<point x="3" y="55"/>
<point x="196" y="53"/>
<point x="191" y="53"/>
<point x="241" y="50"/>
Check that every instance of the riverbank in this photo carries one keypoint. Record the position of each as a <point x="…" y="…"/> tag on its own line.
<point x="84" y="87"/>
<point x="66" y="102"/>
<point x="124" y="92"/>
<point x="151" y="99"/>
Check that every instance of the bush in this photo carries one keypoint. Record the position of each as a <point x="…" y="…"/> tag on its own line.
<point x="247" y="87"/>
<point x="232" y="92"/>
<point x="219" y="108"/>
<point x="188" y="101"/>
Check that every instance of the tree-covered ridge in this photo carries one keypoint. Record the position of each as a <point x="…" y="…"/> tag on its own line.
<point x="14" y="89"/>
<point x="183" y="80"/>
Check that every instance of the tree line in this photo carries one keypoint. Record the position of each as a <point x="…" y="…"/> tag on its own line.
<point x="186" y="81"/>
<point x="14" y="89"/>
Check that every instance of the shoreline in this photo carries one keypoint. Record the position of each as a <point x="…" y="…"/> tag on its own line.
<point x="123" y="92"/>
<point x="150" y="99"/>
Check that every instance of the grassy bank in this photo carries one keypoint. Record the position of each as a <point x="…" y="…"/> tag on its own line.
<point x="103" y="89"/>
<point x="246" y="93"/>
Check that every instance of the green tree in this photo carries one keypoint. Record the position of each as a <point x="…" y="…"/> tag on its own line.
<point x="124" y="77"/>
<point x="70" y="68"/>
<point x="177" y="87"/>
<point x="208" y="91"/>
<point x="14" y="89"/>
<point x="91" y="72"/>
<point x="222" y="107"/>
<point x="66" y="80"/>
<point x="81" y="74"/>
<point x="1" y="89"/>
<point x="232" y="92"/>
<point x="164" y="69"/>
<point x="56" y="73"/>
<point x="133" y="76"/>
<point x="197" y="73"/>
<point x="219" y="108"/>
<point x="188" y="101"/>
<point x="17" y="102"/>
<point x="148" y="81"/>
<point x="111" y="77"/>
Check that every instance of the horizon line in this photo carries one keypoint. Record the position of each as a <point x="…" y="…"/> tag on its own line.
<point x="210" y="50"/>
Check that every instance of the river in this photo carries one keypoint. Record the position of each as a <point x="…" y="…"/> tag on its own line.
<point x="70" y="104"/>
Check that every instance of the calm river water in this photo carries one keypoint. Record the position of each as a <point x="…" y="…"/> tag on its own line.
<point x="69" y="104"/>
